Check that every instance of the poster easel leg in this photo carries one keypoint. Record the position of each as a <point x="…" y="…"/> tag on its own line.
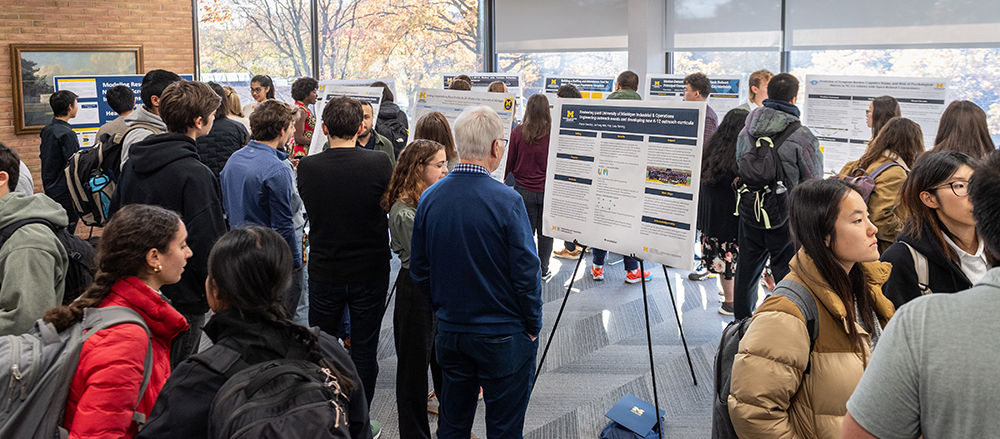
<point x="649" y="343"/>
<point x="680" y="328"/>
<point x="552" y="333"/>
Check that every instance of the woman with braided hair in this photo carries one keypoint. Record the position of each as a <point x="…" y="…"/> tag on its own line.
<point x="249" y="270"/>
<point x="142" y="248"/>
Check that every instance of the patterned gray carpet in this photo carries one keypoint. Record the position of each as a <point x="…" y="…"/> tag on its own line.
<point x="599" y="354"/>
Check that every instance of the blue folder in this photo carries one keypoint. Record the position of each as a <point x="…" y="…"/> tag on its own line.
<point x="634" y="414"/>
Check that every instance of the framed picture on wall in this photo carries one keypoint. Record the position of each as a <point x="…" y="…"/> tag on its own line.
<point x="34" y="66"/>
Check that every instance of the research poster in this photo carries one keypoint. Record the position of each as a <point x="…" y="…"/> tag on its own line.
<point x="725" y="91"/>
<point x="624" y="176"/>
<point x="835" y="111"/>
<point x="482" y="81"/>
<point x="362" y="83"/>
<point x="451" y="103"/>
<point x="94" y="109"/>
<point x="591" y="87"/>
<point x="326" y="92"/>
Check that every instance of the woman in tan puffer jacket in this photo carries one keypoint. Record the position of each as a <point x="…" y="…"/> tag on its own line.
<point x="899" y="142"/>
<point x="771" y="395"/>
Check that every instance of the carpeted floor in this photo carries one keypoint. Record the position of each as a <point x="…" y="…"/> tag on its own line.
<point x="599" y="354"/>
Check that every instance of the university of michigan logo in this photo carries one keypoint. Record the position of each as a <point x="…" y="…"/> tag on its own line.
<point x="423" y="95"/>
<point x="569" y="113"/>
<point x="508" y="104"/>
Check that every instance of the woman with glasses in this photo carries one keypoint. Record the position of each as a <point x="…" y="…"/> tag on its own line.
<point x="421" y="164"/>
<point x="938" y="250"/>
<point x="261" y="89"/>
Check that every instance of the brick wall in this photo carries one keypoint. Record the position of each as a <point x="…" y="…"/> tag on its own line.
<point x="163" y="27"/>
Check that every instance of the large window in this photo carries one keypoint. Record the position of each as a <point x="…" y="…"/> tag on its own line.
<point x="726" y="63"/>
<point x="535" y="66"/>
<point x="974" y="73"/>
<point x="413" y="41"/>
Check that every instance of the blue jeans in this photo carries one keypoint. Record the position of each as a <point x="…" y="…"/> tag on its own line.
<point x="599" y="255"/>
<point x="366" y="302"/>
<point x="504" y="365"/>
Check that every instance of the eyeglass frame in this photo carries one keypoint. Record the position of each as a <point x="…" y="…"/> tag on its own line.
<point x="505" y="141"/>
<point x="952" y="185"/>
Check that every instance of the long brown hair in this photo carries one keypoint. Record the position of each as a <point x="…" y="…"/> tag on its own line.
<point x="900" y="136"/>
<point x="814" y="208"/>
<point x="931" y="170"/>
<point x="407" y="181"/>
<point x="537" y="119"/>
<point x="883" y="109"/>
<point x="964" y="128"/>
<point x="131" y="233"/>
<point x="434" y="126"/>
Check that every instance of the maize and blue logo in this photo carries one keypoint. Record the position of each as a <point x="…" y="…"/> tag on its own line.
<point x="553" y="81"/>
<point x="602" y="171"/>
<point x="508" y="104"/>
<point x="939" y="86"/>
<point x="569" y="113"/>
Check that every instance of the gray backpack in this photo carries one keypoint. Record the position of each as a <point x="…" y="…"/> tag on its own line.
<point x="36" y="370"/>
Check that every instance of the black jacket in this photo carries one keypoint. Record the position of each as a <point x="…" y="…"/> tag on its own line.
<point x="393" y="125"/>
<point x="182" y="408"/>
<point x="164" y="170"/>
<point x="225" y="138"/>
<point x="945" y="276"/>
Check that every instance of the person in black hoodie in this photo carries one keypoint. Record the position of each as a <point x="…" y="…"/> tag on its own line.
<point x="164" y="170"/>
<point x="940" y="227"/>
<point x="391" y="123"/>
<point x="226" y="137"/>
<point x="248" y="271"/>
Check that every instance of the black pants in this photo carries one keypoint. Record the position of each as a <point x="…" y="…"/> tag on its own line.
<point x="413" y="327"/>
<point x="756" y="245"/>
<point x="294" y="293"/>
<point x="533" y="204"/>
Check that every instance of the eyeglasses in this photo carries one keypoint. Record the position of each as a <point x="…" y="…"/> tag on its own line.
<point x="868" y="112"/>
<point x="256" y="90"/>
<point x="959" y="187"/>
<point x="504" y="142"/>
<point x="438" y="165"/>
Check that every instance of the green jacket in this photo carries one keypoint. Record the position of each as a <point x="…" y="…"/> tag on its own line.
<point x="32" y="262"/>
<point x="624" y="93"/>
<point x="381" y="144"/>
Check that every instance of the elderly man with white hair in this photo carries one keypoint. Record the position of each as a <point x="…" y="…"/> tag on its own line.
<point x="472" y="250"/>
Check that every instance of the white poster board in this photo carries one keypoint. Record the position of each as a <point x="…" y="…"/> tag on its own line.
<point x="362" y="83"/>
<point x="450" y="103"/>
<point x="482" y="81"/>
<point x="724" y="97"/>
<point x="326" y="92"/>
<point x="624" y="176"/>
<point x="835" y="111"/>
<point x="591" y="87"/>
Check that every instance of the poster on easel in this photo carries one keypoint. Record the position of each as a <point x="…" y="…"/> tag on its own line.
<point x="624" y="176"/>
<point x="591" y="87"/>
<point x="91" y="97"/>
<point x="451" y="103"/>
<point x="724" y="97"/>
<point x="362" y="83"/>
<point x="835" y="106"/>
<point x="326" y="92"/>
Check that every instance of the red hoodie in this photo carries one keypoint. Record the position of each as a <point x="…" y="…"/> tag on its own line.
<point x="106" y="384"/>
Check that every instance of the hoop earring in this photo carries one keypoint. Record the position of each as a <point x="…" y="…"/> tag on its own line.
<point x="158" y="269"/>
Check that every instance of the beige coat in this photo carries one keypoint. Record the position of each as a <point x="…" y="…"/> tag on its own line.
<point x="771" y="397"/>
<point x="884" y="198"/>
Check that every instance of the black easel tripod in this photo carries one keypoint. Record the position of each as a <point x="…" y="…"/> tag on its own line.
<point x="649" y="337"/>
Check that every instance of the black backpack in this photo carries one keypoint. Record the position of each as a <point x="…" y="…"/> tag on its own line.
<point x="92" y="174"/>
<point x="81" y="268"/>
<point x="761" y="191"/>
<point x="729" y="346"/>
<point x="286" y="398"/>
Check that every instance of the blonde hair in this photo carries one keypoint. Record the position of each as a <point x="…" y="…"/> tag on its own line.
<point x="235" y="107"/>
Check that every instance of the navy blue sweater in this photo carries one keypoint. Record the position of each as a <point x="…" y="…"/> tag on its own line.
<point x="472" y="249"/>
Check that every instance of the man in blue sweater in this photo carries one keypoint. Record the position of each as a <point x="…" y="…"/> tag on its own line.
<point x="472" y="250"/>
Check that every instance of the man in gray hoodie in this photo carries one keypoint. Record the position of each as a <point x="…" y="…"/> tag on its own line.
<point x="32" y="261"/>
<point x="148" y="115"/>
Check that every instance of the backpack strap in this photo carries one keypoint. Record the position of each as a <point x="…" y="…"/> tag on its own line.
<point x="920" y="265"/>
<point x="9" y="229"/>
<point x="96" y="319"/>
<point x="881" y="169"/>
<point x="806" y="303"/>
<point x="226" y="361"/>
<point x="776" y="142"/>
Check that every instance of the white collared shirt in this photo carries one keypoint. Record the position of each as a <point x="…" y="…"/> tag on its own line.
<point x="974" y="266"/>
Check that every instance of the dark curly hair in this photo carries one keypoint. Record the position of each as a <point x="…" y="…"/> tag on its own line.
<point x="302" y="87"/>
<point x="719" y="157"/>
<point x="252" y="269"/>
<point x="130" y="234"/>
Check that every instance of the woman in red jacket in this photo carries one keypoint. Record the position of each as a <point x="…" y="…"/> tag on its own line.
<point x="142" y="248"/>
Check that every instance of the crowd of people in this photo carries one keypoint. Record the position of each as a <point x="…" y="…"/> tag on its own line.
<point x="223" y="223"/>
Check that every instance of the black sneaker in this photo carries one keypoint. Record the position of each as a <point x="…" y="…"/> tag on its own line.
<point x="726" y="309"/>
